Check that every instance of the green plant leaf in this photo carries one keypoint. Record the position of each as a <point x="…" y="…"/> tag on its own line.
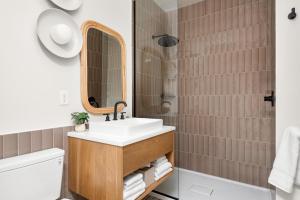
<point x="80" y="117"/>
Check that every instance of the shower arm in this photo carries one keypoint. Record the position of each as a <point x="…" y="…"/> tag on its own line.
<point x="159" y="36"/>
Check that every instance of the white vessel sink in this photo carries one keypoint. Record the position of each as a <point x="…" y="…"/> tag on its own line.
<point x="130" y="126"/>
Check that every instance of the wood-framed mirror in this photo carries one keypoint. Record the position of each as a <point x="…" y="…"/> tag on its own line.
<point x="103" y="66"/>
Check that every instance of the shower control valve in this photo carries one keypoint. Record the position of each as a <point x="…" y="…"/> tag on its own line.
<point x="270" y="98"/>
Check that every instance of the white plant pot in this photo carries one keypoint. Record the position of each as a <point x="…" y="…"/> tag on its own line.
<point x="80" y="128"/>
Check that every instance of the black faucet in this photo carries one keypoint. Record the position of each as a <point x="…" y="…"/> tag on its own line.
<point x="116" y="109"/>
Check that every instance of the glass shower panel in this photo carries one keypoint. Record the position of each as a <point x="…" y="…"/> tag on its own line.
<point x="156" y="71"/>
<point x="210" y="85"/>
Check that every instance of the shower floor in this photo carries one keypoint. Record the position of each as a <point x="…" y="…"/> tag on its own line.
<point x="197" y="186"/>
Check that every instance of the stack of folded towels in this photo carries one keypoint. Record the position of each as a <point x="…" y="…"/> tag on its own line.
<point x="134" y="186"/>
<point x="162" y="167"/>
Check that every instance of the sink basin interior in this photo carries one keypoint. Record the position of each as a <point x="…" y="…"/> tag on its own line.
<point x="126" y="127"/>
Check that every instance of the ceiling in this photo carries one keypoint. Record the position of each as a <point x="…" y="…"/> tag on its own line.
<point x="169" y="5"/>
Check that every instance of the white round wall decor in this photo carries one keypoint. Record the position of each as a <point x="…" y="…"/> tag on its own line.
<point x="59" y="33"/>
<point x="69" y="5"/>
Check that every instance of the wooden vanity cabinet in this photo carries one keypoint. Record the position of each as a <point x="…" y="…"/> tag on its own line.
<point x="96" y="170"/>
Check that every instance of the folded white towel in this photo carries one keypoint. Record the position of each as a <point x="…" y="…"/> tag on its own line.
<point x="284" y="173"/>
<point x="135" y="196"/>
<point x="159" y="176"/>
<point x="133" y="178"/>
<point x="161" y="172"/>
<point x="129" y="187"/>
<point x="158" y="164"/>
<point x="134" y="190"/>
<point x="159" y="160"/>
<point x="163" y="167"/>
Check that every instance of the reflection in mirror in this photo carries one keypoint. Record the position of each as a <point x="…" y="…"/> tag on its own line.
<point x="104" y="69"/>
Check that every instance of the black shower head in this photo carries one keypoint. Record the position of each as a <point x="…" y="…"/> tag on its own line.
<point x="166" y="40"/>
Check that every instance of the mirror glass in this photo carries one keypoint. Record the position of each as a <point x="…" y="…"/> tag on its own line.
<point x="104" y="69"/>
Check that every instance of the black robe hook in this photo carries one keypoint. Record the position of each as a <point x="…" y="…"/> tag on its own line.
<point x="293" y="14"/>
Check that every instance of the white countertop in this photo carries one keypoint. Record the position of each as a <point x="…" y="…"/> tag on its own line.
<point x="118" y="140"/>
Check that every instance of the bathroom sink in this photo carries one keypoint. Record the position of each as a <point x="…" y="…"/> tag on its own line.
<point x="125" y="127"/>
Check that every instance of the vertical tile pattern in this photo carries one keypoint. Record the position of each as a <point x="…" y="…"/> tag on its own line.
<point x="10" y="145"/>
<point x="104" y="63"/>
<point x="47" y="139"/>
<point x="96" y="66"/>
<point x="36" y="141"/>
<point x="228" y="127"/>
<point x="156" y="69"/>
<point x="24" y="143"/>
<point x="58" y="138"/>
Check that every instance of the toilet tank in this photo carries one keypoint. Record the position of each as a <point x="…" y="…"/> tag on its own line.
<point x="34" y="176"/>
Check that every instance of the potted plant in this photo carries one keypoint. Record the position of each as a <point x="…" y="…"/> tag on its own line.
<point x="80" y="119"/>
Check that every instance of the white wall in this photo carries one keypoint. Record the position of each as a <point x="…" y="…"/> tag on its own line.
<point x="287" y="74"/>
<point x="31" y="77"/>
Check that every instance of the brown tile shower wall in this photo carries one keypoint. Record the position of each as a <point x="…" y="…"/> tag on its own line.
<point x="97" y="67"/>
<point x="150" y="20"/>
<point x="114" y="72"/>
<point x="156" y="67"/>
<point x="226" y="67"/>
<point x="104" y="63"/>
<point x="28" y="142"/>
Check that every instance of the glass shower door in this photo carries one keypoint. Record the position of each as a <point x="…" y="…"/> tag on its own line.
<point x="156" y="73"/>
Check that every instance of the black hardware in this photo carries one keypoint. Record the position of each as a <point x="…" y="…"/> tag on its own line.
<point x="107" y="119"/>
<point x="93" y="102"/>
<point x="122" y="115"/>
<point x="270" y="98"/>
<point x="116" y="109"/>
<point x="166" y="40"/>
<point x="293" y="14"/>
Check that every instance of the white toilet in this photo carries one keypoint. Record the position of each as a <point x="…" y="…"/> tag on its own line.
<point x="34" y="176"/>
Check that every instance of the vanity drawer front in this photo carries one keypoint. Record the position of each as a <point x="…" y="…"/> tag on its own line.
<point x="142" y="153"/>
